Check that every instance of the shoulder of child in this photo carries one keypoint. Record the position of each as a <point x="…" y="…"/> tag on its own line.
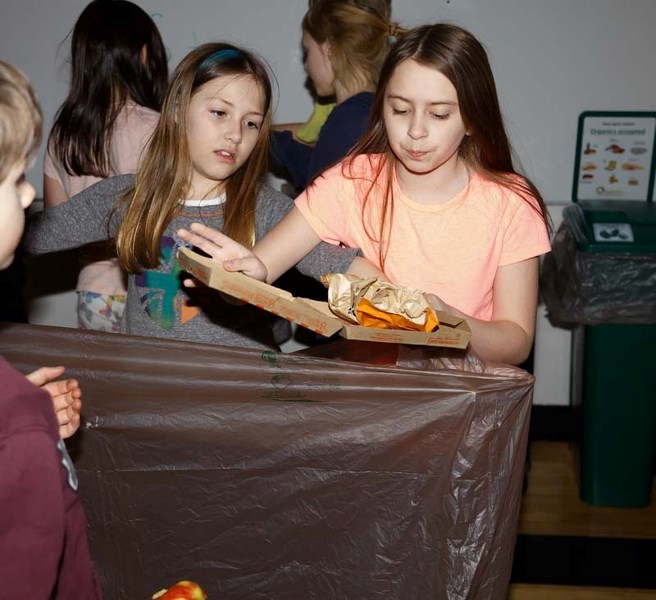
<point x="361" y="166"/>
<point x="353" y="107"/>
<point x="144" y="114"/>
<point x="512" y="200"/>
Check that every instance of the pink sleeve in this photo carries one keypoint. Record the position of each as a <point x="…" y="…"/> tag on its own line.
<point x="525" y="235"/>
<point x="330" y="207"/>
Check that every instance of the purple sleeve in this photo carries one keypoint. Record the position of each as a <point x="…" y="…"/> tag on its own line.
<point x="42" y="524"/>
<point x="31" y="520"/>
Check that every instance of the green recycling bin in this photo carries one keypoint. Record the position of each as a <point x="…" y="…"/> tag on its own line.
<point x="600" y="281"/>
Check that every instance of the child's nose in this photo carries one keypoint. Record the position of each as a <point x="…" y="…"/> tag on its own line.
<point x="417" y="128"/>
<point x="234" y="133"/>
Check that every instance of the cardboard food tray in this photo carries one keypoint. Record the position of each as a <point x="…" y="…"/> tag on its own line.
<point x="453" y="332"/>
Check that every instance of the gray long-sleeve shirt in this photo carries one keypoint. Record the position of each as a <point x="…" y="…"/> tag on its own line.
<point x="157" y="303"/>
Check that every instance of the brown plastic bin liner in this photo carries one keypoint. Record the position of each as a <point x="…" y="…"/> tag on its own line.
<point x="264" y="475"/>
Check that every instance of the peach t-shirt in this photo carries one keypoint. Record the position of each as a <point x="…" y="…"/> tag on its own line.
<point x="452" y="249"/>
<point x="132" y="130"/>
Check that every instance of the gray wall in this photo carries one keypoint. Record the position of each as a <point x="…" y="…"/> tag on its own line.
<point x="552" y="60"/>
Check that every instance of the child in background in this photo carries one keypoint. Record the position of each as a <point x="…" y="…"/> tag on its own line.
<point x="345" y="42"/>
<point x="118" y="80"/>
<point x="308" y="132"/>
<point x="207" y="162"/>
<point x="430" y="195"/>
<point x="43" y="536"/>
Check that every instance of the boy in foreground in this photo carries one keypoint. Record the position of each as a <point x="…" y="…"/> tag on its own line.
<point x="43" y="534"/>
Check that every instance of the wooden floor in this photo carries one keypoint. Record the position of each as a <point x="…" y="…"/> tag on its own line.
<point x="522" y="591"/>
<point x="551" y="507"/>
<point x="551" y="504"/>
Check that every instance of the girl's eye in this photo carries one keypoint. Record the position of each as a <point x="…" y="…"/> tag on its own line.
<point x="442" y="117"/>
<point x="252" y="125"/>
<point x="218" y="113"/>
<point x="21" y="180"/>
<point x="398" y="111"/>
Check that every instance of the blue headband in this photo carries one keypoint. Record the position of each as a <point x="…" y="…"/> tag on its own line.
<point x="224" y="54"/>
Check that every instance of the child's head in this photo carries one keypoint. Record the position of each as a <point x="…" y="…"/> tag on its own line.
<point x="116" y="48"/>
<point x="461" y="59"/>
<point x="20" y="133"/>
<point x="345" y="42"/>
<point x="212" y="136"/>
<point x="436" y="104"/>
<point x="216" y="118"/>
<point x="117" y="55"/>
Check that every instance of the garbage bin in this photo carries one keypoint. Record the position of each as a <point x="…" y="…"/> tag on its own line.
<point x="600" y="281"/>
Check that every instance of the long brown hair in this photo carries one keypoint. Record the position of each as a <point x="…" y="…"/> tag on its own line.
<point x="165" y="174"/>
<point x="117" y="55"/>
<point x="461" y="58"/>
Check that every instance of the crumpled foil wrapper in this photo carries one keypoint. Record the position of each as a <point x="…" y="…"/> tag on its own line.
<point x="373" y="303"/>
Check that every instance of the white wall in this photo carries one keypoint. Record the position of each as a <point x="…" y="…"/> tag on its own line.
<point x="552" y="60"/>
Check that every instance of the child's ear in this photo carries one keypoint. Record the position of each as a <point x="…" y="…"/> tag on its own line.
<point x="327" y="49"/>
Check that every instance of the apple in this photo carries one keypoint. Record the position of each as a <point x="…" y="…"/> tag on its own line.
<point x="183" y="590"/>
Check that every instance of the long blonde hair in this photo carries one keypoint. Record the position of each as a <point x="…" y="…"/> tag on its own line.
<point x="165" y="174"/>
<point x="359" y="35"/>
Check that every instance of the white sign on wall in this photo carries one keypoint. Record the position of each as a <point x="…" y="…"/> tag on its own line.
<point x="615" y="156"/>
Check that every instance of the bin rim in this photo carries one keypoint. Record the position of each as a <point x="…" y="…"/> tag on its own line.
<point x="634" y="212"/>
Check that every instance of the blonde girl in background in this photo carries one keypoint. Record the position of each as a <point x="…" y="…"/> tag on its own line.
<point x="344" y="45"/>
<point x="206" y="162"/>
<point x="119" y="76"/>
<point x="430" y="195"/>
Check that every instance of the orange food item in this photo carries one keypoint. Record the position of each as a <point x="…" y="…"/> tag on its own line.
<point x="183" y="590"/>
<point x="370" y="316"/>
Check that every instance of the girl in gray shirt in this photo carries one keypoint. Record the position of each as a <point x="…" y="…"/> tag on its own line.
<point x="206" y="162"/>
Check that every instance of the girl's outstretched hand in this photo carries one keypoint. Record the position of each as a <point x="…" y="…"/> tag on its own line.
<point x="66" y="397"/>
<point x="232" y="255"/>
